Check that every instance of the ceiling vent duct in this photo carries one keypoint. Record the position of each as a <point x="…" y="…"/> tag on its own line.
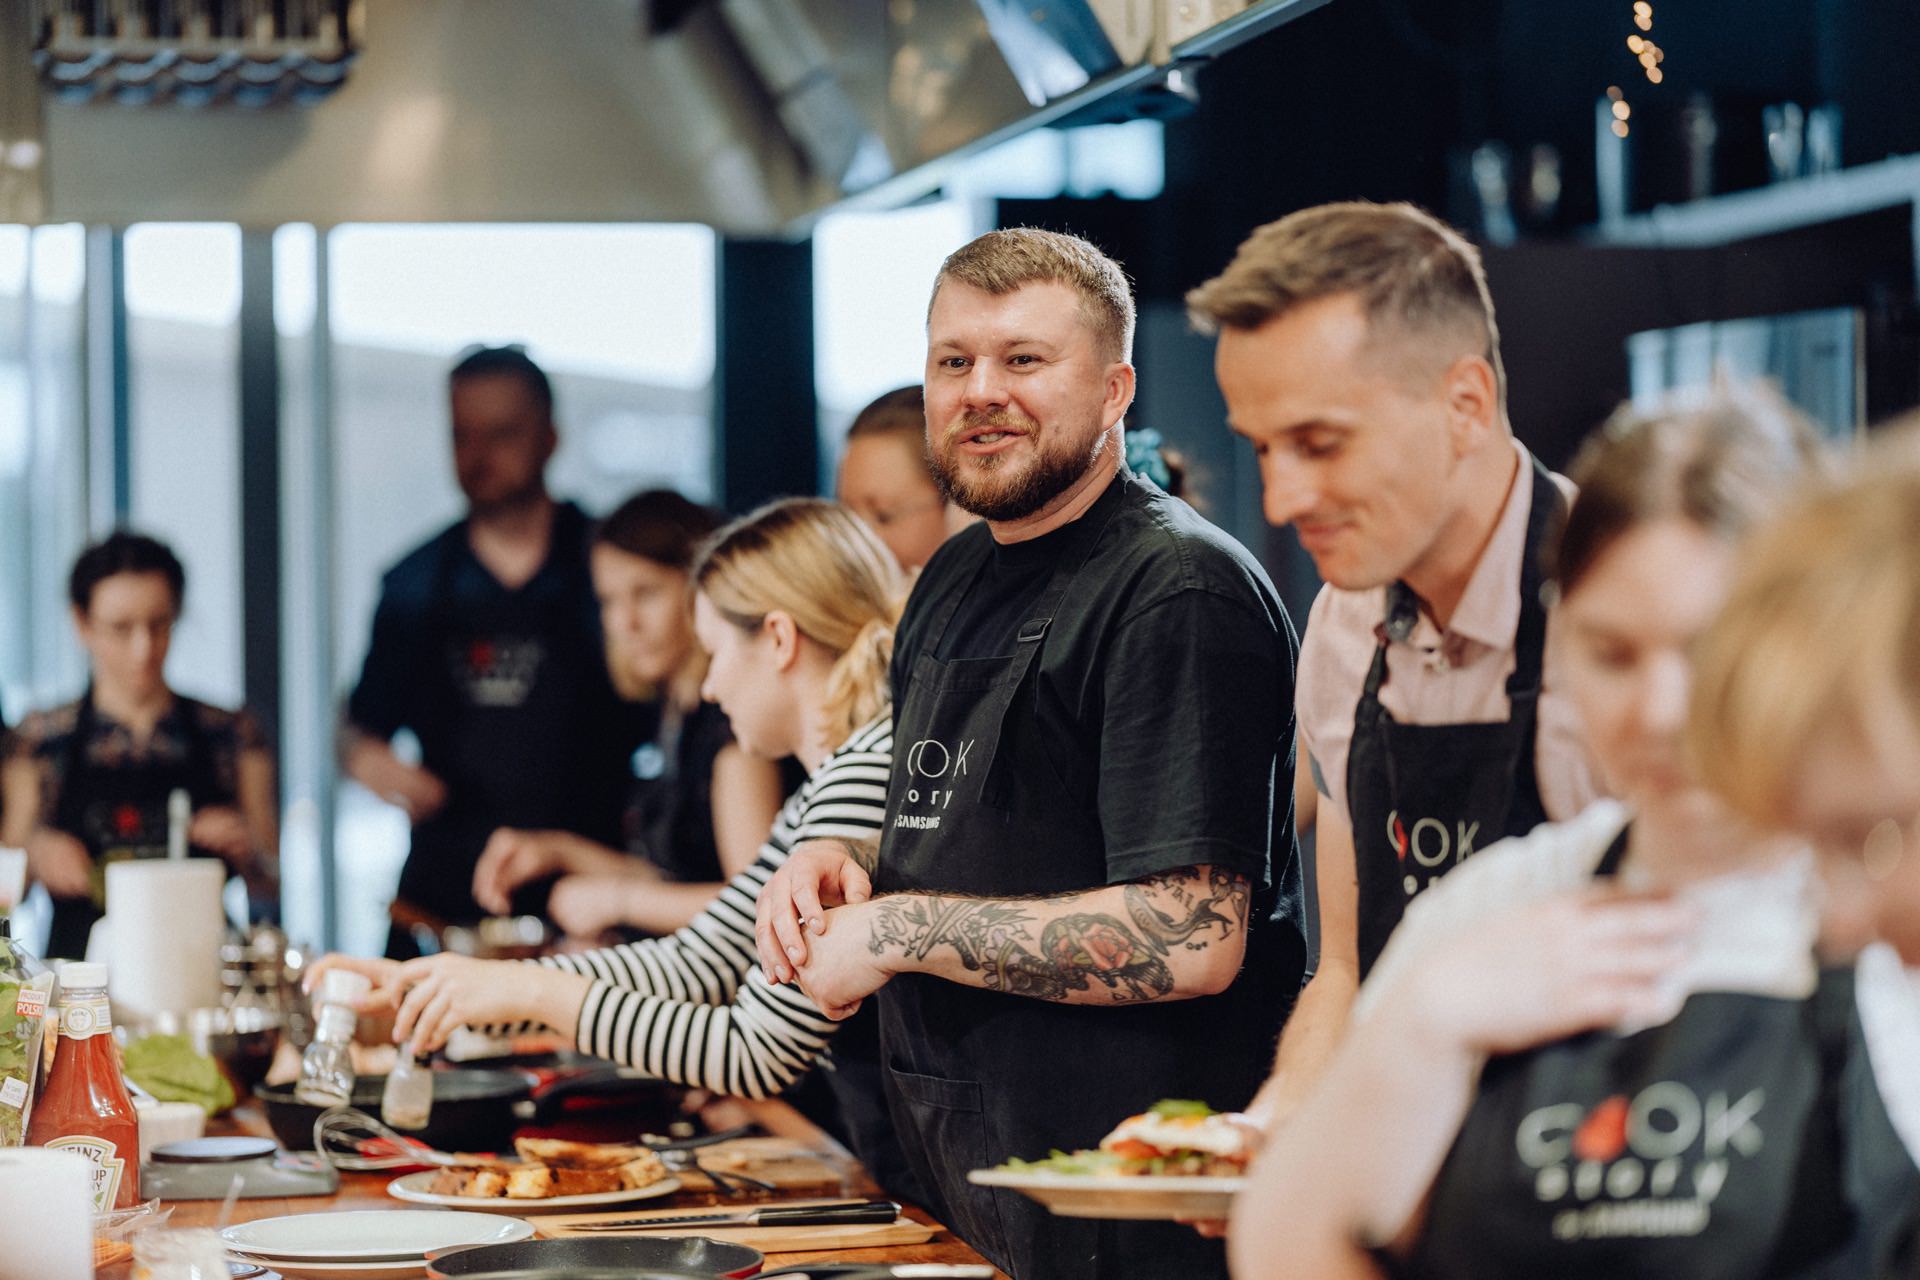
<point x="252" y="53"/>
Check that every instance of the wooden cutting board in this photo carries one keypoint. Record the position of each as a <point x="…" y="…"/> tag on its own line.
<point x="787" y="1163"/>
<point x="859" y="1235"/>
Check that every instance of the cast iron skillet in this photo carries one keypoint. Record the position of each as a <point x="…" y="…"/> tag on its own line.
<point x="473" y="1110"/>
<point x="627" y="1255"/>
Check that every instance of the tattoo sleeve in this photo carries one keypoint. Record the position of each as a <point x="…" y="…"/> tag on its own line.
<point x="1052" y="948"/>
<point x="864" y="852"/>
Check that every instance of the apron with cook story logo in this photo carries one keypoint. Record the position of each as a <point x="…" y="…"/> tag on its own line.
<point x="1423" y="797"/>
<point x="981" y="804"/>
<point x="1745" y="1138"/>
<point x="507" y="698"/>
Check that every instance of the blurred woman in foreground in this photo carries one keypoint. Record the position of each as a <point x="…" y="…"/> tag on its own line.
<point x="1607" y="1048"/>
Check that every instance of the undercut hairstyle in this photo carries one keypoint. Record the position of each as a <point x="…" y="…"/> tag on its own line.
<point x="124" y="551"/>
<point x="1000" y="262"/>
<point x="1414" y="276"/>
<point x="1724" y="466"/>
<point x="506" y="362"/>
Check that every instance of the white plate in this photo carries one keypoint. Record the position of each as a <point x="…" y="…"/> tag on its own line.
<point x="307" y="1269"/>
<point x="1143" y="1199"/>
<point x="368" y="1235"/>
<point x="412" y="1188"/>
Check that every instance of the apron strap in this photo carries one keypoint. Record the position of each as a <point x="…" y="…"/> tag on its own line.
<point x="1547" y="511"/>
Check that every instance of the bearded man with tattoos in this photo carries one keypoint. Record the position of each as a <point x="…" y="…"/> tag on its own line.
<point x="1086" y="897"/>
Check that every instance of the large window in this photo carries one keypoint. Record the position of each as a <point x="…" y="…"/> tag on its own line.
<point x="622" y="318"/>
<point x="183" y="309"/>
<point x="43" y="514"/>
<point x="871" y="277"/>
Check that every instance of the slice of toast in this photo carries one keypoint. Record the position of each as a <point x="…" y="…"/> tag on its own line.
<point x="585" y="1182"/>
<point x="643" y="1170"/>
<point x="562" y="1154"/>
<point x="531" y="1182"/>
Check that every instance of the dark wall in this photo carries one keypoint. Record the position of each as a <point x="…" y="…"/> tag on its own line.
<point x="1383" y="99"/>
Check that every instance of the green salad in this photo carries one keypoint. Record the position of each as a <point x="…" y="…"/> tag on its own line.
<point x="1114" y="1163"/>
<point x="26" y="989"/>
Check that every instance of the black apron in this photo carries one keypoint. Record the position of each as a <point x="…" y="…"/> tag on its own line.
<point x="1423" y="797"/>
<point x="120" y="813"/>
<point x="506" y="689"/>
<point x="975" y="1076"/>
<point x="1739" y="1140"/>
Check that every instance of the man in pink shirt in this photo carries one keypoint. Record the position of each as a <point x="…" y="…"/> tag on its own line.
<point x="1358" y="354"/>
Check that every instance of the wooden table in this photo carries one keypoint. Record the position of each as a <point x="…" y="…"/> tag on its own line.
<point x="368" y="1191"/>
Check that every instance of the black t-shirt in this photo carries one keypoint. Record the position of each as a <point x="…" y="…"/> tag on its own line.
<point x="507" y="690"/>
<point x="1153" y="732"/>
<point x="1164" y="697"/>
<point x="670" y="807"/>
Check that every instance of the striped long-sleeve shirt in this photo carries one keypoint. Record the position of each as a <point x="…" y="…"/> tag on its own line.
<point x="694" y="1007"/>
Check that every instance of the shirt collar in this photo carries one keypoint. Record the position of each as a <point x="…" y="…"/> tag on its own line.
<point x="1489" y="609"/>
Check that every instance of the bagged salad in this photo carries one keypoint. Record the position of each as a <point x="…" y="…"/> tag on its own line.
<point x="26" y="993"/>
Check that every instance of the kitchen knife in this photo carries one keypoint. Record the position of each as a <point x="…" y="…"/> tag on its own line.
<point x="805" y="1215"/>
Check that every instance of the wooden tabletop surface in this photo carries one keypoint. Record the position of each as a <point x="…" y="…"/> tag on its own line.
<point x="368" y="1191"/>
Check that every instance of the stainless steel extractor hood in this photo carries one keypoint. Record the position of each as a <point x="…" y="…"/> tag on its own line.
<point x="749" y="115"/>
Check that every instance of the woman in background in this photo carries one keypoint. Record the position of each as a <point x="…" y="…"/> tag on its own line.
<point x="89" y="783"/>
<point x="701" y="805"/>
<point x="885" y="480"/>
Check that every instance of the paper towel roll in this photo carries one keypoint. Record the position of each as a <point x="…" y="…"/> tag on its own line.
<point x="52" y="1190"/>
<point x="164" y="928"/>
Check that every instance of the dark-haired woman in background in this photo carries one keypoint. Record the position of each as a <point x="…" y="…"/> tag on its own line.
<point x="701" y="805"/>
<point x="89" y="782"/>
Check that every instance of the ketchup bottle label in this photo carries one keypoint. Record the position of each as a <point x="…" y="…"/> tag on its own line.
<point x="107" y="1166"/>
<point x="80" y="1019"/>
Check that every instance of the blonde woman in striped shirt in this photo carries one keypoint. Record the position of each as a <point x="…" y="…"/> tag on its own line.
<point x="796" y="604"/>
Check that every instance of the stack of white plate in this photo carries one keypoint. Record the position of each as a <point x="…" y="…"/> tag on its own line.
<point x="364" y="1244"/>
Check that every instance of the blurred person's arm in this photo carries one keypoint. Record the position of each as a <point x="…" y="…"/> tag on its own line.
<point x="382" y="703"/>
<point x="1306" y="796"/>
<point x="588" y="905"/>
<point x="372" y="763"/>
<point x="514" y="856"/>
<point x="54" y="858"/>
<point x="746" y="798"/>
<point x="1319" y="1018"/>
<point x="1351" y="1167"/>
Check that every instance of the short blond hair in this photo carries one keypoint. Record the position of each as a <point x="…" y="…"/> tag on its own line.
<point x="818" y="563"/>
<point x="1413" y="274"/>
<point x="1821" y="630"/>
<point x="1000" y="262"/>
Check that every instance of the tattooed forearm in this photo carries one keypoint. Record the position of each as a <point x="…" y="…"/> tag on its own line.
<point x="1061" y="948"/>
<point x="866" y="853"/>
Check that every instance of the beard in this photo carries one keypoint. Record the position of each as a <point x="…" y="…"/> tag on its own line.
<point x="1000" y="489"/>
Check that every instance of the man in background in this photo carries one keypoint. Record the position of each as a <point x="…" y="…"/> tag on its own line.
<point x="486" y="644"/>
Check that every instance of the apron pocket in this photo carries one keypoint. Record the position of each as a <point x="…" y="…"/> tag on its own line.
<point x="947" y="1126"/>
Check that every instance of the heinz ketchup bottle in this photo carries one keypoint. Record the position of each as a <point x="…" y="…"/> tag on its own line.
<point x="84" y="1106"/>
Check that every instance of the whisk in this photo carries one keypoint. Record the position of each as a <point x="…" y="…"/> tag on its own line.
<point x="348" y="1138"/>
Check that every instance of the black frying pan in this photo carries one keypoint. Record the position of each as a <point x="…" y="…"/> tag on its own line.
<point x="623" y="1255"/>
<point x="473" y="1110"/>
